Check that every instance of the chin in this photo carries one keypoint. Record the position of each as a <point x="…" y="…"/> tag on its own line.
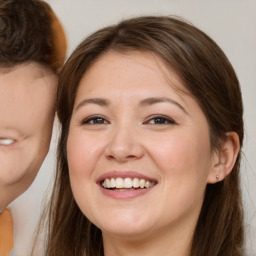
<point x="128" y="228"/>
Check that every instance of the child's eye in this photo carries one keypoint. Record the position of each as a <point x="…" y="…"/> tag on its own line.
<point x="160" y="120"/>
<point x="95" y="120"/>
<point x="6" y="142"/>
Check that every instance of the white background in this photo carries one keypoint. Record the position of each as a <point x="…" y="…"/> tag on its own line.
<point x="231" y="23"/>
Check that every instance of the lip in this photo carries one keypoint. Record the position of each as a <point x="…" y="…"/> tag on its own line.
<point x="126" y="194"/>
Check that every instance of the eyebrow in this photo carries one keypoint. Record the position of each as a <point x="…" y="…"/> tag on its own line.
<point x="155" y="100"/>
<point x="146" y="102"/>
<point x="98" y="101"/>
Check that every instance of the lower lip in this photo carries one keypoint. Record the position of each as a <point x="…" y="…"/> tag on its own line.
<point x="126" y="194"/>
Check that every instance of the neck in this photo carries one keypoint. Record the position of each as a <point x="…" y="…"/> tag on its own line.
<point x="160" y="244"/>
<point x="5" y="199"/>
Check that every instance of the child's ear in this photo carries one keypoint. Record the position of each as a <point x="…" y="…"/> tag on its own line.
<point x="224" y="158"/>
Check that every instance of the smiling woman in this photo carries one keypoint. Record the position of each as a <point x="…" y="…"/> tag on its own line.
<point x="149" y="153"/>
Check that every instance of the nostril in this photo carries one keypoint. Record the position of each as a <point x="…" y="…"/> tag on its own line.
<point x="121" y="158"/>
<point x="130" y="156"/>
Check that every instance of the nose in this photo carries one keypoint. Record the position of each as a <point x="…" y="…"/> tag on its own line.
<point x="124" y="145"/>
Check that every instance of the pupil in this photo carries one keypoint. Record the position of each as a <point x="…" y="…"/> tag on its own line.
<point x="99" y="121"/>
<point x="160" y="121"/>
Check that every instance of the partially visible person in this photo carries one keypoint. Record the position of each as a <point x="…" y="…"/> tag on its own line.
<point x="32" y="51"/>
<point x="149" y="153"/>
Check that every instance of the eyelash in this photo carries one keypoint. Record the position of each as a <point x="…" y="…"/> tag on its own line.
<point x="94" y="120"/>
<point x="158" y="120"/>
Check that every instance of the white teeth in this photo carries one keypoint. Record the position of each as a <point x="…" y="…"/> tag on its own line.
<point x="147" y="184"/>
<point x="142" y="183"/>
<point x="112" y="183"/>
<point x="136" y="182"/>
<point x="108" y="183"/>
<point x="119" y="183"/>
<point x="126" y="183"/>
<point x="6" y="141"/>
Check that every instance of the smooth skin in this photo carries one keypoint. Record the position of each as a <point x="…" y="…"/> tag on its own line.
<point x="27" y="109"/>
<point x="132" y="117"/>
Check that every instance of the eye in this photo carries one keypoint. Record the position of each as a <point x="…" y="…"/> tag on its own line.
<point x="6" y="142"/>
<point x="160" y="120"/>
<point x="95" y="120"/>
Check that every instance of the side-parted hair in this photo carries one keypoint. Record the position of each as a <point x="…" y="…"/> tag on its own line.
<point x="209" y="77"/>
<point x="28" y="31"/>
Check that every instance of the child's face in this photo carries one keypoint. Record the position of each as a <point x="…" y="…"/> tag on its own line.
<point x="27" y="107"/>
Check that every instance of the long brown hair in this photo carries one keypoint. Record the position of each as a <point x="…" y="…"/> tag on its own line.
<point x="209" y="77"/>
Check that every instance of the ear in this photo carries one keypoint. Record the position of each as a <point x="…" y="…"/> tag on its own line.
<point x="224" y="158"/>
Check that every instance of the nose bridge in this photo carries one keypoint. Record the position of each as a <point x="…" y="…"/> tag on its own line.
<point x="124" y="142"/>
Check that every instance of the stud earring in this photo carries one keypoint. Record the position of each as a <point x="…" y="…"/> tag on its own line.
<point x="217" y="177"/>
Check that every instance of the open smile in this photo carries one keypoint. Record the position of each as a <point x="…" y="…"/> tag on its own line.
<point x="126" y="183"/>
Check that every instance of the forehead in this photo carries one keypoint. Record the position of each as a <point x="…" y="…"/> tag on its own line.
<point x="130" y="69"/>
<point x="25" y="92"/>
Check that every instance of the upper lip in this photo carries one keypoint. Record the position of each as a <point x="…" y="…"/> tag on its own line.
<point x="124" y="174"/>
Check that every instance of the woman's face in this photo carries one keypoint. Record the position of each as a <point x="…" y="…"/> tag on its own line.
<point x="138" y="149"/>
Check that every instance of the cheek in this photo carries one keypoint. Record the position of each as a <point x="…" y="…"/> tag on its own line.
<point x="15" y="165"/>
<point x="183" y="158"/>
<point x="82" y="157"/>
<point x="40" y="131"/>
<point x="184" y="162"/>
<point x="82" y="152"/>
